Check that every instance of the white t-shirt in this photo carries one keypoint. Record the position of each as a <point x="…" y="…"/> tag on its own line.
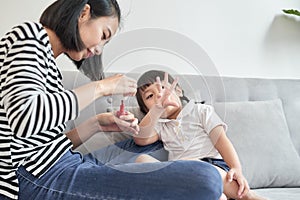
<point x="188" y="135"/>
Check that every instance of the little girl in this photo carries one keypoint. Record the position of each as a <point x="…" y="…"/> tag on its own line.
<point x="189" y="132"/>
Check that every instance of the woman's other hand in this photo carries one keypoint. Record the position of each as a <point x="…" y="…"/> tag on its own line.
<point x="103" y="122"/>
<point x="118" y="84"/>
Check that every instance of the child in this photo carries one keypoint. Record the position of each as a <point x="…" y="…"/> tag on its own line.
<point x="188" y="132"/>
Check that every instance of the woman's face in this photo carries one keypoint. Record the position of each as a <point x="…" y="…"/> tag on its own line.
<point x="94" y="33"/>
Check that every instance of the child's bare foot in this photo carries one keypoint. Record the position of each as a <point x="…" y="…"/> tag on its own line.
<point x="223" y="197"/>
<point x="253" y="196"/>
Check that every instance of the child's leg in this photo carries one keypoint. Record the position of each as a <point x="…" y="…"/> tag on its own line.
<point x="223" y="197"/>
<point x="144" y="158"/>
<point x="231" y="188"/>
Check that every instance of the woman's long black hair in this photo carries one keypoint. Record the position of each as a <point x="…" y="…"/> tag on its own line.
<point x="62" y="18"/>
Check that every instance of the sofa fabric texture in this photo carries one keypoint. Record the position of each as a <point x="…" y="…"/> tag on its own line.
<point x="262" y="117"/>
<point x="260" y="134"/>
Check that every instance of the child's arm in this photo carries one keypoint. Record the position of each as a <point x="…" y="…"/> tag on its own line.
<point x="225" y="147"/>
<point x="147" y="134"/>
<point x="230" y="156"/>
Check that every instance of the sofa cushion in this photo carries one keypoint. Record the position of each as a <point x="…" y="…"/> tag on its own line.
<point x="259" y="132"/>
<point x="279" y="193"/>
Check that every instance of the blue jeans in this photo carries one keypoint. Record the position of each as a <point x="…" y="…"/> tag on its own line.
<point x="75" y="177"/>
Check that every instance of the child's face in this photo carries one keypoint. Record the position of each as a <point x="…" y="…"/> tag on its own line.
<point x="151" y="95"/>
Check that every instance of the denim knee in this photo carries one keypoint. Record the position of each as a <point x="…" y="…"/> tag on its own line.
<point x="214" y="184"/>
<point x="204" y="180"/>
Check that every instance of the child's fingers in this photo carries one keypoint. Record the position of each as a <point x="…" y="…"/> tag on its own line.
<point x="230" y="175"/>
<point x="128" y="126"/>
<point x="246" y="189"/>
<point x="174" y="84"/>
<point x="166" y="78"/>
<point x="158" y="82"/>
<point x="127" y="116"/>
<point x="241" y="189"/>
<point x="134" y="125"/>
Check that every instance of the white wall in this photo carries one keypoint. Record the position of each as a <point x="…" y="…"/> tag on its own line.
<point x="242" y="38"/>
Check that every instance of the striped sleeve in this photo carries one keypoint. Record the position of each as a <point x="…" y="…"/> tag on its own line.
<point x="32" y="107"/>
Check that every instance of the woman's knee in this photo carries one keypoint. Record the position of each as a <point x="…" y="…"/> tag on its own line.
<point x="203" y="179"/>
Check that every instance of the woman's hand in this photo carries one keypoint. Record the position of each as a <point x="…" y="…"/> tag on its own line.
<point x="102" y="122"/>
<point x="236" y="174"/>
<point x="117" y="84"/>
<point x="110" y="122"/>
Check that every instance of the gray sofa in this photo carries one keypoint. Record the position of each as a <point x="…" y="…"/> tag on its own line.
<point x="263" y="119"/>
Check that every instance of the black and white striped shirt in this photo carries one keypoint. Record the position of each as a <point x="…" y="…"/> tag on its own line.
<point x="34" y="106"/>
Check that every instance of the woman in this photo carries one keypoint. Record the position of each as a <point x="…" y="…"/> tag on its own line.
<point x="36" y="159"/>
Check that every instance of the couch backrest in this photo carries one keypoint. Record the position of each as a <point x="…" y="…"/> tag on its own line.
<point x="212" y="90"/>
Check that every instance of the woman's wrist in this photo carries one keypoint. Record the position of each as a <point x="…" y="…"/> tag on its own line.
<point x="99" y="89"/>
<point x="83" y="132"/>
<point x="92" y="126"/>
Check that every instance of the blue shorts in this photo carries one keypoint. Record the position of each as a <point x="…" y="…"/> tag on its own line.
<point x="217" y="162"/>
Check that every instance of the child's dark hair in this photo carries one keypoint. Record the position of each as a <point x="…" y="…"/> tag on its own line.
<point x="147" y="79"/>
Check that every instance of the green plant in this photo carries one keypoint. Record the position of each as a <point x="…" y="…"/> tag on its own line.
<point x="291" y="12"/>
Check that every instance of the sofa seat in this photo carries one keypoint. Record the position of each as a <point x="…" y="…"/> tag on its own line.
<point x="280" y="193"/>
<point x="263" y="124"/>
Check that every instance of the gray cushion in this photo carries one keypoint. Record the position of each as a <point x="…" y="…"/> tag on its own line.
<point x="279" y="193"/>
<point x="260" y="134"/>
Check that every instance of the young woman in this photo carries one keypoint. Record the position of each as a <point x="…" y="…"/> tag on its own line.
<point x="36" y="157"/>
<point x="190" y="132"/>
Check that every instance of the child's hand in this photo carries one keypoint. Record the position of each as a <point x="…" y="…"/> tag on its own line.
<point x="110" y="122"/>
<point x="128" y="123"/>
<point x="236" y="174"/>
<point x="165" y="90"/>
